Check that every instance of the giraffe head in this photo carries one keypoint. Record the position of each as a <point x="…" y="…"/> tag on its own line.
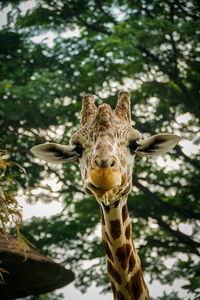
<point x="105" y="147"/>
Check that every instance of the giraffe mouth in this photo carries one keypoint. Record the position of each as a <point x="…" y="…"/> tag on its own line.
<point x="102" y="195"/>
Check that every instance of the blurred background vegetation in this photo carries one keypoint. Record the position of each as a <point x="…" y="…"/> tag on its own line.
<point x="54" y="53"/>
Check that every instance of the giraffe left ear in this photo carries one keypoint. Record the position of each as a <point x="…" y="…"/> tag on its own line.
<point x="55" y="153"/>
<point x="157" y="145"/>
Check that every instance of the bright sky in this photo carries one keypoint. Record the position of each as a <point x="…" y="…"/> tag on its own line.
<point x="41" y="209"/>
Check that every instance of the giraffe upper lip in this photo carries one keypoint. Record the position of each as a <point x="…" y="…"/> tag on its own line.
<point x="104" y="179"/>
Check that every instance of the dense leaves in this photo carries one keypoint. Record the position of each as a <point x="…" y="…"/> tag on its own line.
<point x="151" y="49"/>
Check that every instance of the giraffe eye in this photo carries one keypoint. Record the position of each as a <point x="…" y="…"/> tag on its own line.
<point x="133" y="145"/>
<point x="79" y="149"/>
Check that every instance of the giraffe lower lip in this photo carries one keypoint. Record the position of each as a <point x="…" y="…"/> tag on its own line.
<point x="95" y="190"/>
<point x="100" y="193"/>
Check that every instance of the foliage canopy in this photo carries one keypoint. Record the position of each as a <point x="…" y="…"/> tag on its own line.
<point x="151" y="48"/>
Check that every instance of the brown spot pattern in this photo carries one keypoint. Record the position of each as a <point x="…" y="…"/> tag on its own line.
<point x="109" y="147"/>
<point x="124" y="213"/>
<point x="135" y="285"/>
<point x="123" y="162"/>
<point x="114" y="289"/>
<point x="121" y="256"/>
<point x="111" y="137"/>
<point x="123" y="179"/>
<point x="128" y="250"/>
<point x="107" y="249"/>
<point x="116" y="203"/>
<point x="131" y="263"/>
<point x="113" y="272"/>
<point x="106" y="208"/>
<point x="128" y="231"/>
<point x="120" y="296"/>
<point x="99" y="145"/>
<point x="115" y="229"/>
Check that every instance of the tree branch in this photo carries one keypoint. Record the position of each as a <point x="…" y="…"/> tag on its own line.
<point x="93" y="27"/>
<point x="164" y="185"/>
<point x="69" y="189"/>
<point x="186" y="213"/>
<point x="185" y="239"/>
<point x="174" y="78"/>
<point x="193" y="162"/>
<point x="176" y="247"/>
<point x="175" y="51"/>
<point x="192" y="16"/>
<point x="109" y="17"/>
<point x="181" y="236"/>
<point x="147" y="11"/>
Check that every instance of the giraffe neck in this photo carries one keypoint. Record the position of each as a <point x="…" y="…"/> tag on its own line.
<point x="123" y="263"/>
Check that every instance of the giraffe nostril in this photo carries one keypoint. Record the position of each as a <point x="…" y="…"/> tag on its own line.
<point x="105" y="163"/>
<point x="96" y="163"/>
<point x="113" y="164"/>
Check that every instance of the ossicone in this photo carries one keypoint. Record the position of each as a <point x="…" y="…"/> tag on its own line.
<point x="122" y="109"/>
<point x="88" y="109"/>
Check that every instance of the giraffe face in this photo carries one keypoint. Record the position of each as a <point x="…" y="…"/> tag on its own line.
<point x="105" y="147"/>
<point x="108" y="149"/>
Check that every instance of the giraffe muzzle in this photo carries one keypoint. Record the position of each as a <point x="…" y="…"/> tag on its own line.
<point x="105" y="178"/>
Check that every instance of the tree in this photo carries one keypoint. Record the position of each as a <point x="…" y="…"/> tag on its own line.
<point x="151" y="48"/>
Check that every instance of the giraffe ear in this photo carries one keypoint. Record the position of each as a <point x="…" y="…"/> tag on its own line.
<point x="55" y="153"/>
<point x="157" y="145"/>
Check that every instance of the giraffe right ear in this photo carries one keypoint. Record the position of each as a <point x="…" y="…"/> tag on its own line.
<point x="157" y="145"/>
<point x="56" y="153"/>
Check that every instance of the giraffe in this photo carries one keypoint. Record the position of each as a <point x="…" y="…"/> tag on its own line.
<point x="105" y="147"/>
